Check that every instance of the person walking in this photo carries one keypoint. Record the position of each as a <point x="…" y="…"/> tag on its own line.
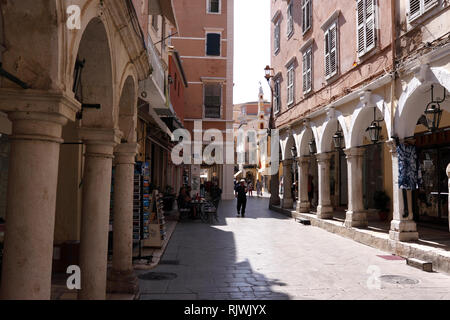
<point x="258" y="188"/>
<point x="250" y="188"/>
<point x="241" y="195"/>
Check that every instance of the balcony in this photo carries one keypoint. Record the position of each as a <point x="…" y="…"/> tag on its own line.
<point x="152" y="89"/>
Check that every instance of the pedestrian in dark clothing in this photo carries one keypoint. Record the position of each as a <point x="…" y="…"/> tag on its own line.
<point x="241" y="195"/>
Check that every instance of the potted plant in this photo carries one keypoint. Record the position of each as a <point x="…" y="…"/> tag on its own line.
<point x="381" y="200"/>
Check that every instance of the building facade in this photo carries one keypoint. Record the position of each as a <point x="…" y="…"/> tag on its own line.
<point x="205" y="45"/>
<point x="346" y="74"/>
<point x="69" y="113"/>
<point x="254" y="117"/>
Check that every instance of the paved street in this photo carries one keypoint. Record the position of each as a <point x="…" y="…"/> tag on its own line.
<point x="268" y="256"/>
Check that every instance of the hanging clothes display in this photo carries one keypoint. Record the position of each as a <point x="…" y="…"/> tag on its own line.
<point x="408" y="175"/>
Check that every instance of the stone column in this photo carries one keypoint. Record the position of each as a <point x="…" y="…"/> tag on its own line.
<point x="121" y="278"/>
<point x="303" y="205"/>
<point x="448" y="175"/>
<point x="100" y="145"/>
<point x="31" y="202"/>
<point x="324" y="209"/>
<point x="402" y="228"/>
<point x="288" y="202"/>
<point x="355" y="216"/>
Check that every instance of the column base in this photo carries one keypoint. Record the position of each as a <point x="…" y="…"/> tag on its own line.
<point x="275" y="201"/>
<point x="288" y="203"/>
<point x="122" y="282"/>
<point x="403" y="230"/>
<point x="325" y="212"/>
<point x="303" y="207"/>
<point x="356" y="219"/>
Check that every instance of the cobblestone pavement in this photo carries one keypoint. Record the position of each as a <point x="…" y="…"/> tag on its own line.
<point x="268" y="256"/>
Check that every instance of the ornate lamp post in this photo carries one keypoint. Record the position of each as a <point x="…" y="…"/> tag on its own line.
<point x="433" y="111"/>
<point x="274" y="181"/>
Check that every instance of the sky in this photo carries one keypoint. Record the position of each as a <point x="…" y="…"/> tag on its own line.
<point x="251" y="49"/>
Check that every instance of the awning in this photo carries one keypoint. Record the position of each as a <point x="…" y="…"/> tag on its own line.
<point x="237" y="174"/>
<point x="150" y="115"/>
<point x="164" y="8"/>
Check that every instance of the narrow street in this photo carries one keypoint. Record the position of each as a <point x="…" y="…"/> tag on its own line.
<point x="268" y="256"/>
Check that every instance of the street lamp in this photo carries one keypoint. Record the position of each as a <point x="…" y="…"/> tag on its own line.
<point x="312" y="147"/>
<point x="294" y="152"/>
<point x="338" y="138"/>
<point x="433" y="111"/>
<point x="374" y="128"/>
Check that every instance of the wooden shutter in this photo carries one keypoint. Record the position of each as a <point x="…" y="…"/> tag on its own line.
<point x="370" y="24"/>
<point x="290" y="20"/>
<point x="277" y="37"/>
<point x="331" y="53"/>
<point x="414" y="9"/>
<point x="366" y="24"/>
<point x="429" y="4"/>
<point x="306" y="15"/>
<point x="360" y="16"/>
<point x="307" y="71"/>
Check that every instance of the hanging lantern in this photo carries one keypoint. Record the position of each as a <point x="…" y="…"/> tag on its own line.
<point x="294" y="152"/>
<point x="312" y="147"/>
<point x="433" y="112"/>
<point x="338" y="138"/>
<point x="374" y="128"/>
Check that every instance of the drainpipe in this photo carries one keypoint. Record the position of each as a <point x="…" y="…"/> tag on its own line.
<point x="394" y="73"/>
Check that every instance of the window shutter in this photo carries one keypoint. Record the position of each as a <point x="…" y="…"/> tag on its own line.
<point x="414" y="9"/>
<point x="305" y="72"/>
<point x="361" y="27"/>
<point x="309" y="68"/>
<point x="370" y="25"/>
<point x="333" y="49"/>
<point x="277" y="37"/>
<point x="429" y="4"/>
<point x="327" y="53"/>
<point x="290" y="21"/>
<point x="306" y="15"/>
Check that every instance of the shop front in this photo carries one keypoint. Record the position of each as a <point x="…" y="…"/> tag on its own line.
<point x="431" y="197"/>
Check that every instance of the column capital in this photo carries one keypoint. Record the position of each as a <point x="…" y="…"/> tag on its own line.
<point x="392" y="146"/>
<point x="304" y="160"/>
<point x="37" y="126"/>
<point x="39" y="101"/>
<point x="100" y="142"/>
<point x="323" y="157"/>
<point x="125" y="153"/>
<point x="288" y="162"/>
<point x="354" y="152"/>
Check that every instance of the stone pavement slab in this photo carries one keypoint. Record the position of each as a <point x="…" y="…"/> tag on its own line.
<point x="269" y="256"/>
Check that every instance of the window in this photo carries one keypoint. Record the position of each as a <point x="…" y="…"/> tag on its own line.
<point x="307" y="71"/>
<point x="290" y="84"/>
<point x="419" y="7"/>
<point x="213" y="6"/>
<point x="213" y="44"/>
<point x="155" y="22"/>
<point x="277" y="96"/>
<point x="366" y="33"/>
<point x="277" y="37"/>
<point x="331" y="53"/>
<point x="290" y="20"/>
<point x="213" y="100"/>
<point x="306" y="15"/>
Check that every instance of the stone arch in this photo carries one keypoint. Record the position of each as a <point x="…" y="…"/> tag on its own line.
<point x="286" y="146"/>
<point x="97" y="80"/>
<point x="363" y="116"/>
<point x="91" y="12"/>
<point x="329" y="129"/>
<point x="306" y="135"/>
<point x="127" y="110"/>
<point x="414" y="99"/>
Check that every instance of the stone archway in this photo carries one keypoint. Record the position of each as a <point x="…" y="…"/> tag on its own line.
<point x="100" y="136"/>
